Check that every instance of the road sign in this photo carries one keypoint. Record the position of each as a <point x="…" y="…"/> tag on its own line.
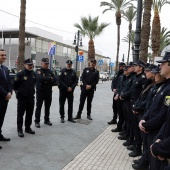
<point x="111" y="64"/>
<point x="100" y="62"/>
<point x="80" y="58"/>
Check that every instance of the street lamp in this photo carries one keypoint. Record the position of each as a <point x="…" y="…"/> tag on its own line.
<point x="78" y="44"/>
<point x="123" y="58"/>
<point x="137" y="39"/>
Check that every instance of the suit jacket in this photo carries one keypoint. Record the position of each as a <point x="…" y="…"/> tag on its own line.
<point x="5" y="85"/>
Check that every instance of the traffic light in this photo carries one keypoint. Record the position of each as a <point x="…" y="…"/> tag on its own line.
<point x="76" y="48"/>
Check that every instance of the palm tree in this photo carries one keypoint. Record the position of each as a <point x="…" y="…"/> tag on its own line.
<point x="156" y="26"/>
<point x="130" y="38"/>
<point x="145" y="32"/>
<point x="90" y="27"/>
<point x="118" y="6"/>
<point x="164" y="39"/>
<point x="130" y="16"/>
<point x="21" y="57"/>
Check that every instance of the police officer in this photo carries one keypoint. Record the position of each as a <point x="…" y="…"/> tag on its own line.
<point x="114" y="84"/>
<point x="90" y="78"/>
<point x="5" y="92"/>
<point x="67" y="82"/>
<point x="24" y="86"/>
<point x="45" y="79"/>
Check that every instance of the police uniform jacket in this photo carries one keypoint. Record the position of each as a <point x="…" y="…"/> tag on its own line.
<point x="126" y="91"/>
<point x="67" y="78"/>
<point x="137" y="86"/>
<point x="116" y="79"/>
<point x="140" y="105"/>
<point x="121" y="84"/>
<point x="5" y="85"/>
<point x="24" y="83"/>
<point x="90" y="77"/>
<point x="45" y="79"/>
<point x="156" y="115"/>
<point x="162" y="148"/>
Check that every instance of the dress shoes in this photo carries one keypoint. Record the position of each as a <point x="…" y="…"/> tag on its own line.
<point x="136" y="161"/>
<point x="20" y="134"/>
<point x="131" y="147"/>
<point x="124" y="137"/>
<point x="116" y="130"/>
<point x="72" y="120"/>
<point x="0" y="147"/>
<point x="89" y="117"/>
<point x="2" y="138"/>
<point x="62" y="120"/>
<point x="140" y="166"/>
<point x="77" y="117"/>
<point x="113" y="121"/>
<point x="121" y="133"/>
<point x="48" y="123"/>
<point x="135" y="153"/>
<point x="37" y="125"/>
<point x="127" y="143"/>
<point x="29" y="130"/>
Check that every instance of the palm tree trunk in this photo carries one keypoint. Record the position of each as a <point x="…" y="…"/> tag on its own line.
<point x="145" y="32"/>
<point x="130" y="28"/>
<point x="91" y="50"/>
<point x="118" y="44"/>
<point x="21" y="57"/>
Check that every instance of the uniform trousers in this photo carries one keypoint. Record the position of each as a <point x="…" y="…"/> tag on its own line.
<point x="121" y="114"/>
<point x="46" y="97"/>
<point x="25" y="104"/>
<point x="3" y="108"/>
<point x="89" y="95"/>
<point x="62" y="98"/>
<point x="115" y="110"/>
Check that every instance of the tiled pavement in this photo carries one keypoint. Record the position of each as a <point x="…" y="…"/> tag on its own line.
<point x="106" y="152"/>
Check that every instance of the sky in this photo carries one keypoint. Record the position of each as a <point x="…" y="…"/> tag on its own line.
<point x="62" y="14"/>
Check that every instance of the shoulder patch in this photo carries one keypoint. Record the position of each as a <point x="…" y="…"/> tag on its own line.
<point x="167" y="100"/>
<point x="143" y="76"/>
<point x="16" y="78"/>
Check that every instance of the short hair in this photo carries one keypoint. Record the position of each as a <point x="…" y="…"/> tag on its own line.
<point x="2" y="50"/>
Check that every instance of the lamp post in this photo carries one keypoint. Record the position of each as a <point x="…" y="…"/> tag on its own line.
<point x="123" y="58"/>
<point x="77" y="38"/>
<point x="137" y="39"/>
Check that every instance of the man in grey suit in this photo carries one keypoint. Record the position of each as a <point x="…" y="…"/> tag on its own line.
<point x="5" y="92"/>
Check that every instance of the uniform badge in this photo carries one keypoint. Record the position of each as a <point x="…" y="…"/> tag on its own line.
<point x="38" y="72"/>
<point x="143" y="76"/>
<point x="167" y="100"/>
<point x="16" y="78"/>
<point x="25" y="78"/>
<point x="43" y="75"/>
<point x="59" y="73"/>
<point x="65" y="73"/>
<point x="87" y="71"/>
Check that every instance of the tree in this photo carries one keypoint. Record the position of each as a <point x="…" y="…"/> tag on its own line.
<point x="145" y="32"/>
<point x="118" y="6"/>
<point x="156" y="26"/>
<point x="164" y="39"/>
<point x="130" y="38"/>
<point x="130" y="16"/>
<point x="90" y="27"/>
<point x="21" y="57"/>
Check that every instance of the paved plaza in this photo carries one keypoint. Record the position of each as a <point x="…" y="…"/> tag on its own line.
<point x="68" y="146"/>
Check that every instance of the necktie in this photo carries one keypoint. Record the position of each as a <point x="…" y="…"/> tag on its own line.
<point x="3" y="71"/>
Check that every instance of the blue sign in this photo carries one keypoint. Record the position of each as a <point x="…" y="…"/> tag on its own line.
<point x="111" y="64"/>
<point x="52" y="50"/>
<point x="100" y="62"/>
<point x="80" y="58"/>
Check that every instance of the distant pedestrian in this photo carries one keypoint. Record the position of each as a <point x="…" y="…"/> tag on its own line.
<point x="45" y="80"/>
<point x="67" y="82"/>
<point x="24" y="86"/>
<point x="90" y="78"/>
<point x="5" y="91"/>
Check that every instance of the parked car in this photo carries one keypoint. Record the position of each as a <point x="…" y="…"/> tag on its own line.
<point x="12" y="73"/>
<point x="103" y="76"/>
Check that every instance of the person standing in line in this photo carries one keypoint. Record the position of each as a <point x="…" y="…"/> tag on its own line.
<point x="24" y="86"/>
<point x="90" y="78"/>
<point x="67" y="82"/>
<point x="45" y="80"/>
<point x="114" y="85"/>
<point x="5" y="92"/>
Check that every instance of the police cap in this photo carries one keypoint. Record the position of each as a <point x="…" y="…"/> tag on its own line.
<point x="156" y="70"/>
<point x="125" y="68"/>
<point x="93" y="60"/>
<point x="69" y="62"/>
<point x="166" y="58"/>
<point x="130" y="64"/>
<point x="28" y="61"/>
<point x="122" y="64"/>
<point x="140" y="63"/>
<point x="150" y="67"/>
<point x="45" y="60"/>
